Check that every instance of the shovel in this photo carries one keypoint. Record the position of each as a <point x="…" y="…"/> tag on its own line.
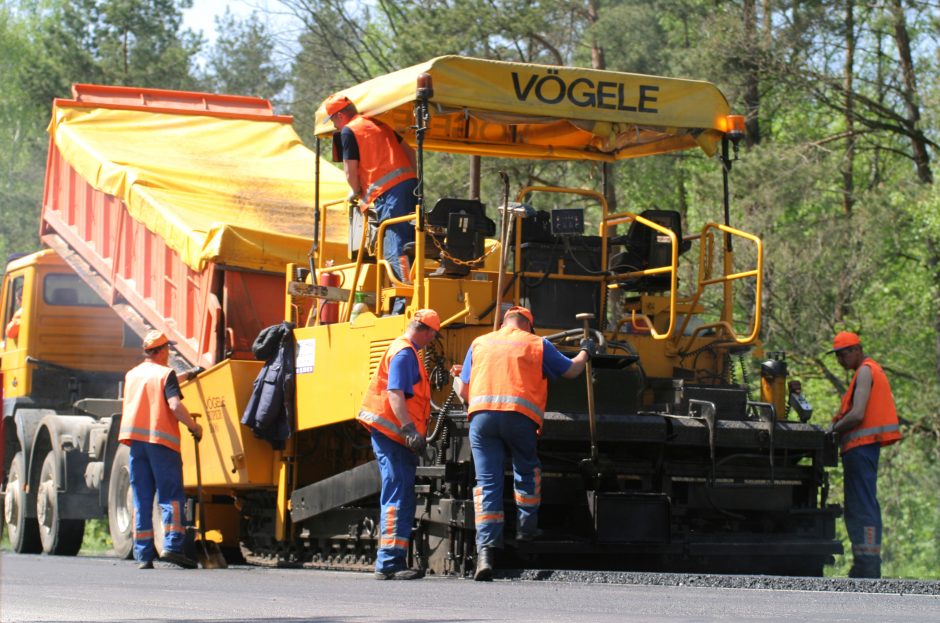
<point x="208" y="553"/>
<point x="590" y="469"/>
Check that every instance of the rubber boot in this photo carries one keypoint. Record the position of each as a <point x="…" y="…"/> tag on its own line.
<point x="866" y="567"/>
<point x="484" y="572"/>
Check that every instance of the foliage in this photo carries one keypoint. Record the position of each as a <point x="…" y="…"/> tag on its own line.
<point x="842" y="101"/>
<point x="242" y="61"/>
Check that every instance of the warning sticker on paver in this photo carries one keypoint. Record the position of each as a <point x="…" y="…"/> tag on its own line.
<point x="306" y="355"/>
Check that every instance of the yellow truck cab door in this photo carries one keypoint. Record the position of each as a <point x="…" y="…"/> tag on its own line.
<point x="15" y="331"/>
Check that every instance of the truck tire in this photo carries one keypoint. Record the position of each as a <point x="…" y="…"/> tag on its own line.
<point x="121" y="504"/>
<point x="22" y="530"/>
<point x="60" y="537"/>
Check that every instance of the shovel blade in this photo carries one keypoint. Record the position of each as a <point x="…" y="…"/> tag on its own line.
<point x="210" y="556"/>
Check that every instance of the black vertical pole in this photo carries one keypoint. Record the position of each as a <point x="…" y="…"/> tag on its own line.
<point x="421" y="126"/>
<point x="316" y="216"/>
<point x="726" y="194"/>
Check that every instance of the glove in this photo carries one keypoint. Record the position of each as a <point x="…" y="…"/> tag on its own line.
<point x="588" y="346"/>
<point x="352" y="197"/>
<point x="415" y="441"/>
<point x="193" y="373"/>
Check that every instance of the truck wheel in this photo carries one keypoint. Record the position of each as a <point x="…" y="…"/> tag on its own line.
<point x="22" y="530"/>
<point x="60" y="537"/>
<point x="121" y="504"/>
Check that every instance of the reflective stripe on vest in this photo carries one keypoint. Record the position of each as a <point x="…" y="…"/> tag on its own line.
<point x="376" y="412"/>
<point x="867" y="432"/>
<point x="506" y="374"/>
<point x="376" y="186"/>
<point x="880" y="421"/>
<point x="146" y="416"/>
<point x="383" y="162"/>
<point x="515" y="401"/>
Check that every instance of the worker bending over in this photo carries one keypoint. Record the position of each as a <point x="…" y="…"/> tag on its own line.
<point x="504" y="382"/>
<point x="380" y="170"/>
<point x="396" y="409"/>
<point x="150" y="426"/>
<point x="866" y="420"/>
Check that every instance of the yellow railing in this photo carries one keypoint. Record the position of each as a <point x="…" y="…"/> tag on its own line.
<point x="705" y="279"/>
<point x="625" y="217"/>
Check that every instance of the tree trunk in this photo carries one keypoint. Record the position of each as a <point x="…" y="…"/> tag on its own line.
<point x="848" y="165"/>
<point x="921" y="154"/>
<point x="751" y="80"/>
<point x="599" y="62"/>
<point x="910" y="94"/>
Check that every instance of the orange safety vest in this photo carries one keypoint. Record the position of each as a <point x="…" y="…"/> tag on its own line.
<point x="382" y="161"/>
<point x="506" y="374"/>
<point x="376" y="413"/>
<point x="146" y="415"/>
<point x="13" y="327"/>
<point x="880" y="422"/>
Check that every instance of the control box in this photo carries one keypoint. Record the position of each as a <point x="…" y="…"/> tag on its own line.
<point x="568" y="222"/>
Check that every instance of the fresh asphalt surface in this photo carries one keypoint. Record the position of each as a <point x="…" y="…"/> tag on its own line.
<point x="45" y="588"/>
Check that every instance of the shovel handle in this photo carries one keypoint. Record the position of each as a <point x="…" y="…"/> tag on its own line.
<point x="202" y="507"/>
<point x="586" y="318"/>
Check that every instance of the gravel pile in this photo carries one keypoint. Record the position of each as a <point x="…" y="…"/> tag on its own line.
<point x="765" y="582"/>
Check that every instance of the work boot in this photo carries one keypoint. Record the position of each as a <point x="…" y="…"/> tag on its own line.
<point x="146" y="565"/>
<point x="862" y="568"/>
<point x="178" y="559"/>
<point x="484" y="572"/>
<point x="402" y="574"/>
<point x="528" y="537"/>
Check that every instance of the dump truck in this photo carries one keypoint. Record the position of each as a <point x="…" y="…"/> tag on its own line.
<point x="679" y="461"/>
<point x="162" y="209"/>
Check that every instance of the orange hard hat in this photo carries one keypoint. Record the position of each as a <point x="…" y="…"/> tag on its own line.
<point x="336" y="103"/>
<point x="522" y="311"/>
<point x="845" y="339"/>
<point x="429" y="318"/>
<point x="156" y="339"/>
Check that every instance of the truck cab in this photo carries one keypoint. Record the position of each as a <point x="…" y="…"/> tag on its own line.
<point x="61" y="342"/>
<point x="62" y="345"/>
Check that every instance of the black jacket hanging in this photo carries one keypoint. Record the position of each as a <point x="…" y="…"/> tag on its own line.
<point x="270" y="410"/>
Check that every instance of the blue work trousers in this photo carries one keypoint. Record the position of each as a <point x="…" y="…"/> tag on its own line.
<point x="862" y="511"/>
<point x="399" y="200"/>
<point x="156" y="469"/>
<point x="491" y="433"/>
<point x="397" y="465"/>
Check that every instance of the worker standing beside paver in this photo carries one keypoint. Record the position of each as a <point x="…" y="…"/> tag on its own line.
<point x="396" y="409"/>
<point x="150" y="426"/>
<point x="866" y="420"/>
<point x="504" y="382"/>
<point x="380" y="170"/>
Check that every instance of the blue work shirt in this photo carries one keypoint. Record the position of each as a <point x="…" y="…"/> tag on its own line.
<point x="554" y="363"/>
<point x="403" y="372"/>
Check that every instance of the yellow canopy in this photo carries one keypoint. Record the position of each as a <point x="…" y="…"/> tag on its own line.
<point x="237" y="191"/>
<point x="518" y="110"/>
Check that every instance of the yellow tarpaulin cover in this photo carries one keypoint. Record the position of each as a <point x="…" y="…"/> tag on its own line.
<point x="238" y="192"/>
<point x="496" y="108"/>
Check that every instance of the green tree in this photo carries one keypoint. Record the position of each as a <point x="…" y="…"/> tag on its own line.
<point x="242" y="60"/>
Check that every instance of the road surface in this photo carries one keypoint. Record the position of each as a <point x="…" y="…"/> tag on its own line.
<point x="48" y="588"/>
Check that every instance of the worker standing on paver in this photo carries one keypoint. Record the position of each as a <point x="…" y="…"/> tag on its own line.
<point x="866" y="420"/>
<point x="396" y="409"/>
<point x="380" y="170"/>
<point x="504" y="382"/>
<point x="150" y="426"/>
